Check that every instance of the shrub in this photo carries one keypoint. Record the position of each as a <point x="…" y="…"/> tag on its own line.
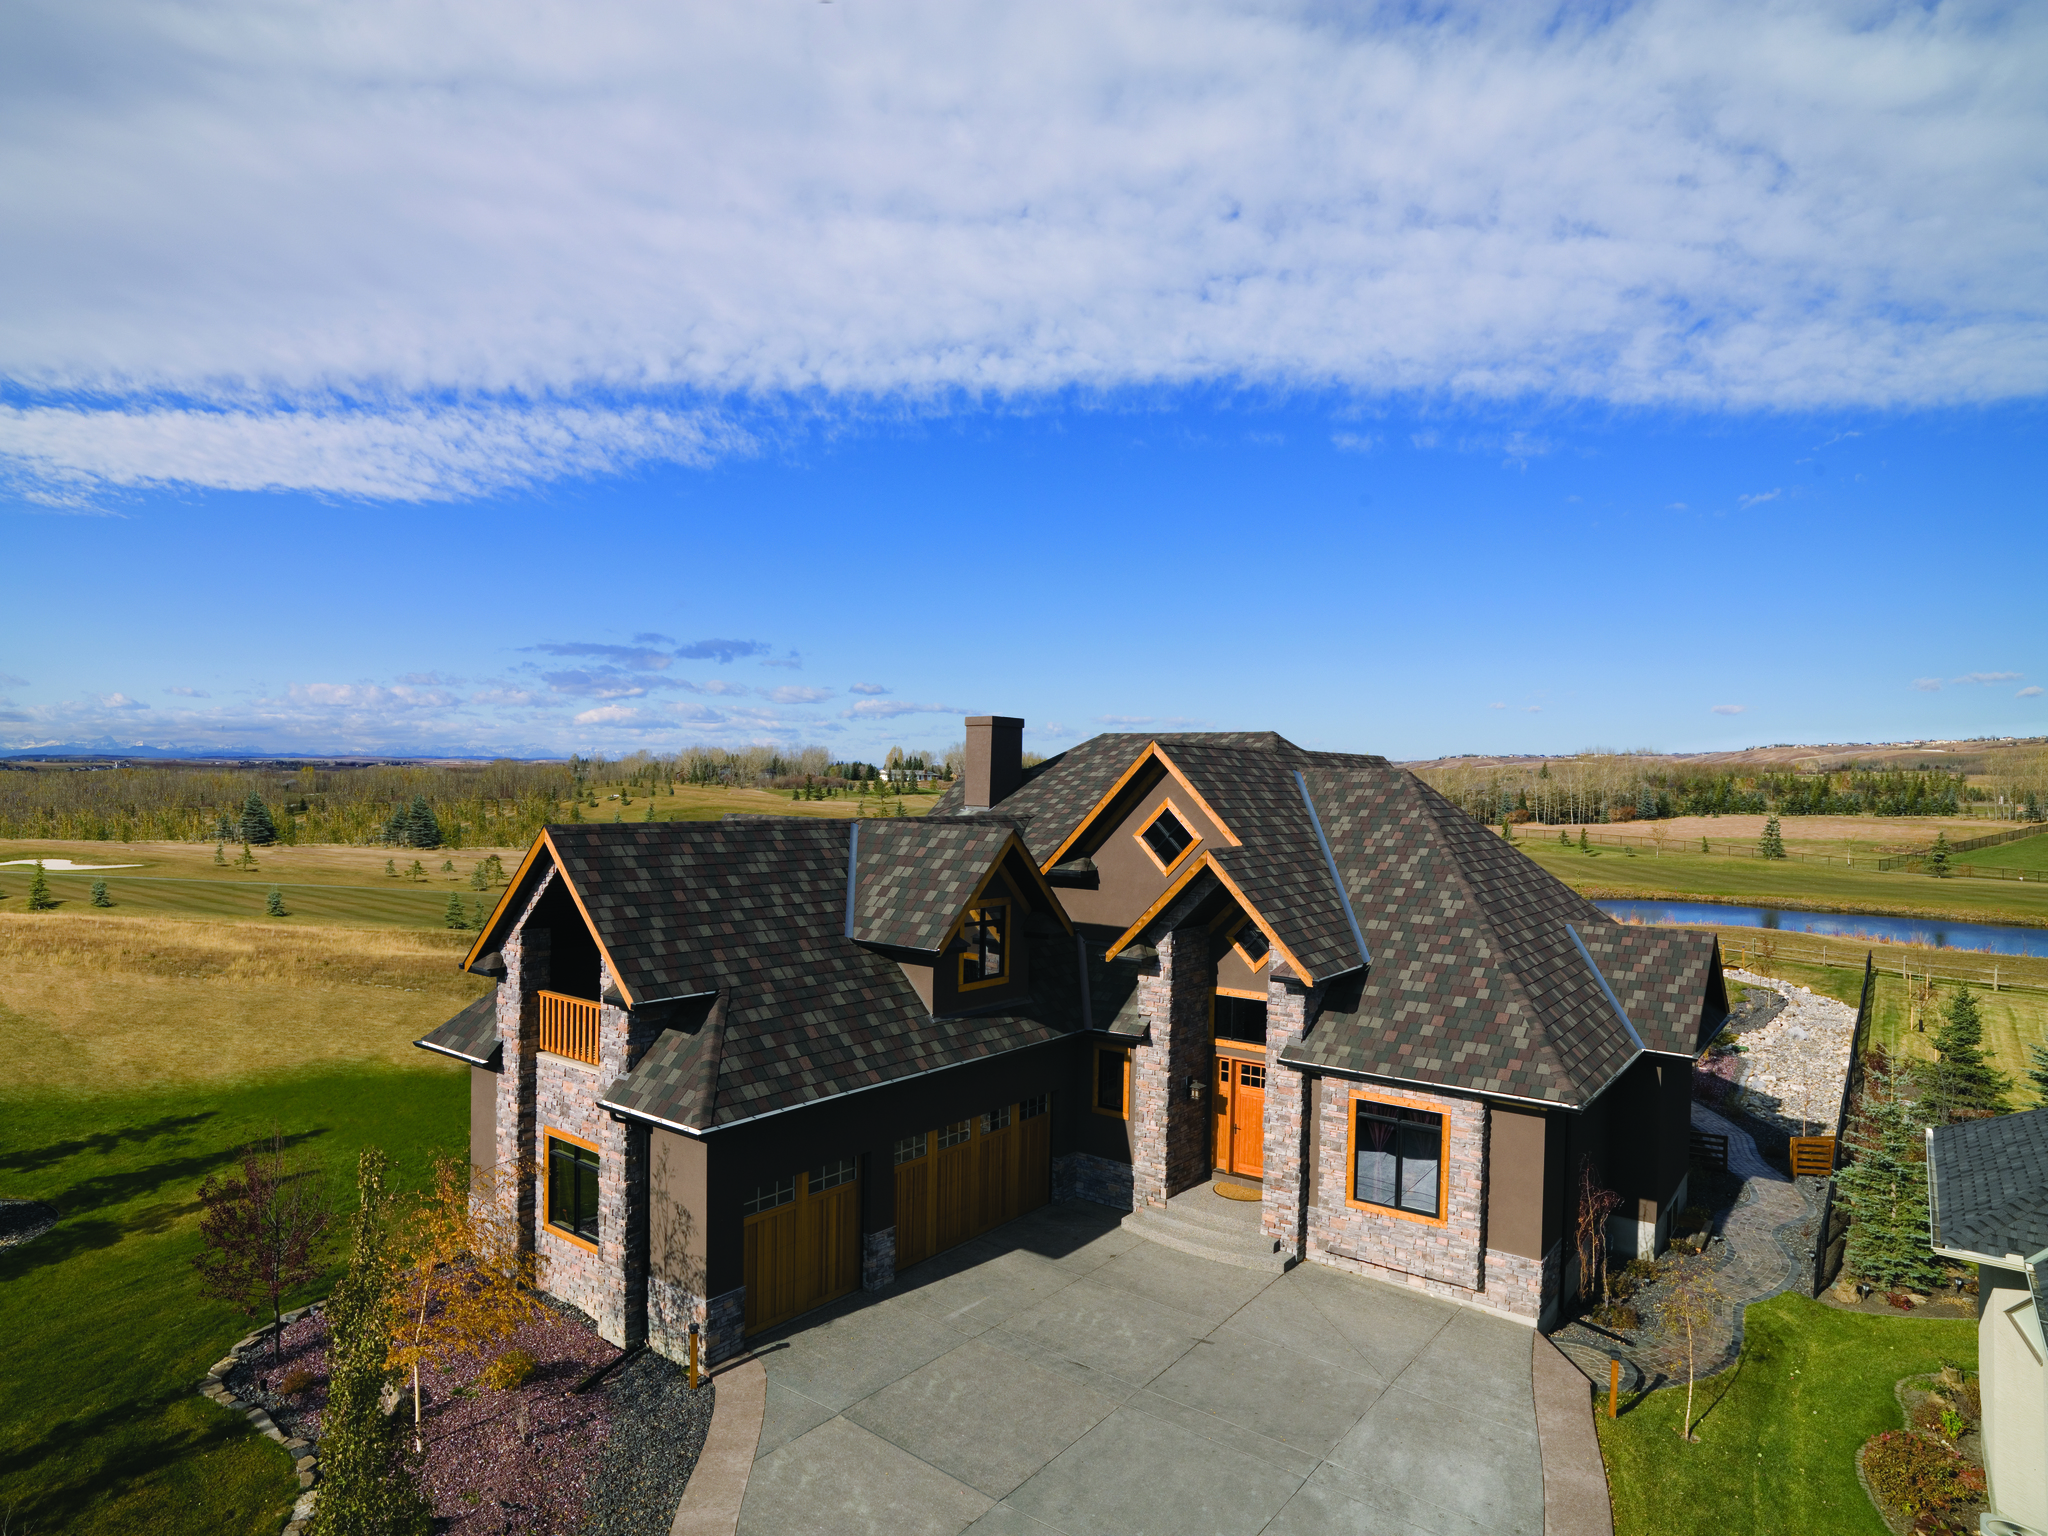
<point x="511" y="1370"/>
<point x="1620" y="1318"/>
<point x="1916" y="1476"/>
<point x="296" y="1380"/>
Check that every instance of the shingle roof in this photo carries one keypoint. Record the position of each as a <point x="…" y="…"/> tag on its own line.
<point x="471" y="1035"/>
<point x="915" y="876"/>
<point x="1665" y="979"/>
<point x="756" y="910"/>
<point x="1989" y="1183"/>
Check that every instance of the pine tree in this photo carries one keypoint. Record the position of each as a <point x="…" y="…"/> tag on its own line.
<point x="256" y="825"/>
<point x="274" y="906"/>
<point x="1772" y="844"/>
<point x="452" y="917"/>
<point x="1585" y="843"/>
<point x="1962" y="1085"/>
<point x="650" y="812"/>
<point x="415" y="870"/>
<point x="220" y="856"/>
<point x="2037" y="1074"/>
<point x="423" y="831"/>
<point x="39" y="897"/>
<point x="100" y="898"/>
<point x="391" y="868"/>
<point x="1885" y="1188"/>
<point x="1703" y="846"/>
<point x="447" y="866"/>
<point x="1937" y="857"/>
<point x="477" y="880"/>
<point x="223" y="828"/>
<point x="575" y="813"/>
<point x="1564" y="838"/>
<point x="246" y="859"/>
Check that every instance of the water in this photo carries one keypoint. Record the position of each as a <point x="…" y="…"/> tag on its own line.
<point x="1983" y="938"/>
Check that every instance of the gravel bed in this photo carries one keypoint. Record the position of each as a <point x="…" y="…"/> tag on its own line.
<point x="658" y="1428"/>
<point x="23" y="1221"/>
<point x="1793" y="1062"/>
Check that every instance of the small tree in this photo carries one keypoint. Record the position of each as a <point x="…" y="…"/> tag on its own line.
<point x="39" y="897"/>
<point x="247" y="859"/>
<point x="1937" y="857"/>
<point x="415" y="870"/>
<point x="1885" y="1187"/>
<point x="1596" y="1204"/>
<point x="451" y="916"/>
<point x="464" y="1283"/>
<point x="1703" y="846"/>
<point x="1772" y="844"/>
<point x="220" y="854"/>
<point x="273" y="905"/>
<point x="100" y="898"/>
<point x="1585" y="843"/>
<point x="256" y="825"/>
<point x="1961" y="1084"/>
<point x="477" y="879"/>
<point x="223" y="828"/>
<point x="263" y="1231"/>
<point x="366" y="1487"/>
<point x="1689" y="1304"/>
<point x="2037" y="1074"/>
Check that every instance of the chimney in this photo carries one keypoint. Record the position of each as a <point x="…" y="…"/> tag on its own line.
<point x="995" y="759"/>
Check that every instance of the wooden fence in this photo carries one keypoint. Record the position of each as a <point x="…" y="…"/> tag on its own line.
<point x="568" y="1026"/>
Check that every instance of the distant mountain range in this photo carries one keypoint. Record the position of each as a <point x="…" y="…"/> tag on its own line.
<point x="62" y="750"/>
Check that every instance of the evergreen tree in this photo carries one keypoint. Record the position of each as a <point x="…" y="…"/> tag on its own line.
<point x="246" y="859"/>
<point x="1961" y="1084"/>
<point x="422" y="829"/>
<point x="575" y="813"/>
<point x="452" y="917"/>
<point x="367" y="1488"/>
<point x="100" y="898"/>
<point x="2037" y="1074"/>
<point x="391" y="868"/>
<point x="1564" y="838"/>
<point x="1585" y="843"/>
<point x="415" y="870"/>
<point x="39" y="897"/>
<point x="1703" y="846"/>
<point x="256" y="825"/>
<point x="220" y="856"/>
<point x="223" y="828"/>
<point x="1771" y="845"/>
<point x="1885" y="1188"/>
<point x="274" y="906"/>
<point x="1937" y="857"/>
<point x="477" y="879"/>
<point x="447" y="866"/>
<point x="650" y="812"/>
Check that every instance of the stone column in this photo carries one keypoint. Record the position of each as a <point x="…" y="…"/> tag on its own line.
<point x="1170" y="1126"/>
<point x="526" y="955"/>
<point x="1287" y="1195"/>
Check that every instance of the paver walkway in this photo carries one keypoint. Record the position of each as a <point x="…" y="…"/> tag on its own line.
<point x="1064" y="1375"/>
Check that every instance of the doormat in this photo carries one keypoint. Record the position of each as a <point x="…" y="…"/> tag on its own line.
<point x="1238" y="1192"/>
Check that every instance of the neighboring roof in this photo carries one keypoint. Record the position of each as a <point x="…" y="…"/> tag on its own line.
<point x="472" y="1035"/>
<point x="1988" y="1187"/>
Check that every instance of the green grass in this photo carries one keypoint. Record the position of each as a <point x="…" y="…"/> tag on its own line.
<point x="394" y="904"/>
<point x="1813" y="887"/>
<point x="2027" y="853"/>
<point x="106" y="1336"/>
<point x="1778" y="1442"/>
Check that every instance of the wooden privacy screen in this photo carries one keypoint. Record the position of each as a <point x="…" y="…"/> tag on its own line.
<point x="1813" y="1157"/>
<point x="568" y="1026"/>
<point x="975" y="1174"/>
<point x="801" y="1255"/>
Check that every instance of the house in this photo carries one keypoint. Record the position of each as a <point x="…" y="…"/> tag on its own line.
<point x="746" y="1066"/>
<point x="1987" y="1205"/>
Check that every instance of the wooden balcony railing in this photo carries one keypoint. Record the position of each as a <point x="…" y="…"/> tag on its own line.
<point x="568" y="1026"/>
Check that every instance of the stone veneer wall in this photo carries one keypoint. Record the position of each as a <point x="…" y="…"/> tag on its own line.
<point x="1170" y="1130"/>
<point x="878" y="1259"/>
<point x="1084" y="1176"/>
<point x="1284" y="1212"/>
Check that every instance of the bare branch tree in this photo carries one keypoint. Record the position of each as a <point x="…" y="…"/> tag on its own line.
<point x="263" y="1232"/>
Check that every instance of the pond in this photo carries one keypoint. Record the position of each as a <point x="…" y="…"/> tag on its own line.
<point x="1984" y="938"/>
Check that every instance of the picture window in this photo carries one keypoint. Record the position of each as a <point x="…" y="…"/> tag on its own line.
<point x="1240" y="1018"/>
<point x="572" y="1189"/>
<point x="1398" y="1158"/>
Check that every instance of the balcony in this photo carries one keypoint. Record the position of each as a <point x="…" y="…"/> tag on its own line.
<point x="568" y="1026"/>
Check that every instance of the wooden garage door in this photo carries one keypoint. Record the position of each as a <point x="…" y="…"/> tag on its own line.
<point x="802" y="1243"/>
<point x="961" y="1179"/>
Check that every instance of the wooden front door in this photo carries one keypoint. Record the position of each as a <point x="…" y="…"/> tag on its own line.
<point x="1240" y="1116"/>
<point x="805" y="1251"/>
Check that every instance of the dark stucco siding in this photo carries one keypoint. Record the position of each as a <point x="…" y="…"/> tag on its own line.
<point x="483" y="1117"/>
<point x="1514" y="1181"/>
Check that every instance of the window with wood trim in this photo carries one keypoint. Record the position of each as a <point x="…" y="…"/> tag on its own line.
<point x="830" y="1174"/>
<point x="1113" y="1083"/>
<point x="1166" y="837"/>
<point x="984" y="954"/>
<point x="957" y="1134"/>
<point x="1397" y="1158"/>
<point x="911" y="1148"/>
<point x="1252" y="946"/>
<point x="1241" y="1019"/>
<point x="995" y="1120"/>
<point x="1031" y="1109"/>
<point x="776" y="1192"/>
<point x="572" y="1188"/>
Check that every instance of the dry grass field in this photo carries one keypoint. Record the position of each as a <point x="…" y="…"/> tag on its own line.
<point x="1857" y="837"/>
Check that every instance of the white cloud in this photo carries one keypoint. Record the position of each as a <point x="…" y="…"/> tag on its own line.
<point x="2028" y="693"/>
<point x="1730" y="709"/>
<point x="428" y="251"/>
<point x="1927" y="684"/>
<point x="120" y="701"/>
<point x="1758" y="498"/>
<point x="888" y="709"/>
<point x="370" y="696"/>
<point x="1496" y="706"/>
<point x="1354" y="442"/>
<point x="608" y="714"/>
<point x="1678" y="506"/>
<point x="188" y="693"/>
<point x="1989" y="677"/>
<point x="870" y="689"/>
<point x="795" y="693"/>
<point x="1532" y="709"/>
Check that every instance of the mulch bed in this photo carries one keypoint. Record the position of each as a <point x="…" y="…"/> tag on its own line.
<point x="611" y="1461"/>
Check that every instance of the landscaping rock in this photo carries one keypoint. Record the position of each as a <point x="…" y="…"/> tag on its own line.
<point x="23" y="1221"/>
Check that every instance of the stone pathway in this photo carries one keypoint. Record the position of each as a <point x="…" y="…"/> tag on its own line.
<point x="1794" y="1064"/>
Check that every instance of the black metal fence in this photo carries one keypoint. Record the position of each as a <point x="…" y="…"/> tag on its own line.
<point x="1831" y="1233"/>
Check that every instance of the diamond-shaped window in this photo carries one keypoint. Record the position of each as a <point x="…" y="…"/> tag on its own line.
<point x="1166" y="837"/>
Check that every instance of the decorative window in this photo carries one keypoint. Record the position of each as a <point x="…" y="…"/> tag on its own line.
<point x="982" y="935"/>
<point x="957" y="1133"/>
<point x="1166" y="837"/>
<point x="911" y="1148"/>
<point x="572" y="1188"/>
<point x="1241" y="1019"/>
<point x="772" y="1194"/>
<point x="1112" y="1083"/>
<point x="1252" y="945"/>
<point x="831" y="1173"/>
<point x="1397" y="1158"/>
<point x="996" y="1120"/>
<point x="1031" y="1109"/>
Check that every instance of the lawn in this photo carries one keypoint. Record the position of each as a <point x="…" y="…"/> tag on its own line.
<point x="1780" y="1432"/>
<point x="2027" y="853"/>
<point x="143" y="1053"/>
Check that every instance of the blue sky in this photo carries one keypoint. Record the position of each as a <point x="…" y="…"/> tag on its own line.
<point x="1662" y="376"/>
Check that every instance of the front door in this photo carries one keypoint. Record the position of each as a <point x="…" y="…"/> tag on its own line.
<point x="1240" y="1115"/>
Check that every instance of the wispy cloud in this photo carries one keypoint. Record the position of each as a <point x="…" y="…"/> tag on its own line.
<point x="9" y="680"/>
<point x="1730" y="709"/>
<point x="721" y="650"/>
<point x="1497" y="706"/>
<point x="1988" y="677"/>
<point x="120" y="701"/>
<point x="1839" y="437"/>
<point x="188" y="693"/>
<point x="872" y="690"/>
<point x="1758" y="498"/>
<point x="796" y="693"/>
<point x="1354" y="442"/>
<point x="889" y="709"/>
<point x="619" y="655"/>
<point x="2028" y="693"/>
<point x="1927" y="684"/>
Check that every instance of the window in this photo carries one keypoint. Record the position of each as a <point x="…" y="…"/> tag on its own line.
<point x="1112" y="1078"/>
<point x="981" y="932"/>
<point x="996" y="1120"/>
<point x="1397" y="1158"/>
<point x="1239" y="1018"/>
<point x="831" y="1173"/>
<point x="1252" y="946"/>
<point x="911" y="1148"/>
<point x="955" y="1134"/>
<point x="572" y="1188"/>
<point x="1031" y="1109"/>
<point x="768" y="1196"/>
<point x="1166" y="837"/>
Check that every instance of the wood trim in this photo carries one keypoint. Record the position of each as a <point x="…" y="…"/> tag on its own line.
<point x="1240" y="1050"/>
<point x="547" y="1219"/>
<point x="561" y="1034"/>
<point x="1195" y="839"/>
<point x="1095" y="1083"/>
<point x="598" y="938"/>
<point x="1009" y="933"/>
<point x="1153" y="753"/>
<point x="1443" y="1161"/>
<point x="483" y="934"/>
<point x="1237" y="944"/>
<point x="1166" y="898"/>
<point x="1195" y="794"/>
<point x="1248" y="995"/>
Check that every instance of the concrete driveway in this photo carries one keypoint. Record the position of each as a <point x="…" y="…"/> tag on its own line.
<point x="1063" y="1375"/>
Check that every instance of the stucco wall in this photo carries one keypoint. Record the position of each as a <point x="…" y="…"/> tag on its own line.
<point x="2015" y="1396"/>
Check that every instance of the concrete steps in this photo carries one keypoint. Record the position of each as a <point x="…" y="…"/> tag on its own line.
<point x="1200" y="1222"/>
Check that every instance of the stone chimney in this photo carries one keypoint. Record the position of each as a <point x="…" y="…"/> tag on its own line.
<point x="995" y="759"/>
